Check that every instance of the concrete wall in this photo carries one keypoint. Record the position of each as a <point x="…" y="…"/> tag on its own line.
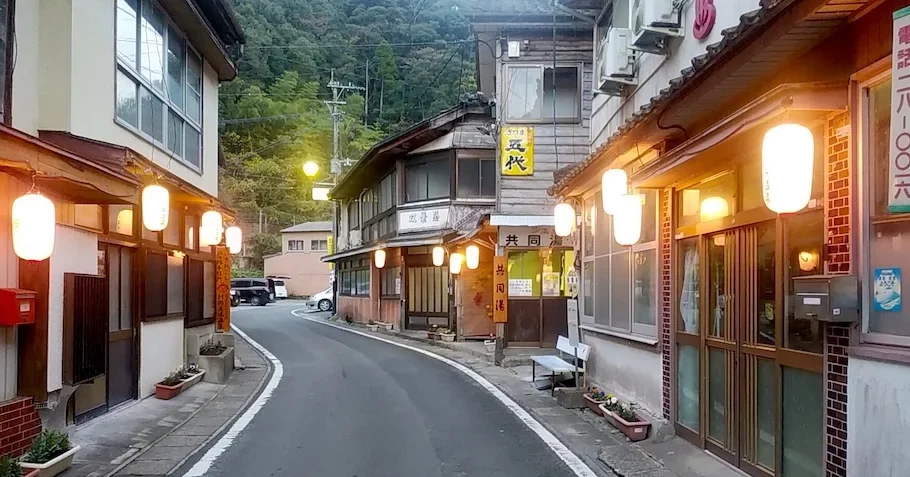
<point x="308" y="273"/>
<point x="630" y="371"/>
<point x="161" y="351"/>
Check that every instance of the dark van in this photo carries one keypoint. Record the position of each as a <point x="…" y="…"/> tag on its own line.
<point x="255" y="291"/>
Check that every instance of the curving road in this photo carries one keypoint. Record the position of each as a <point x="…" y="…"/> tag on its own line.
<point x="350" y="406"/>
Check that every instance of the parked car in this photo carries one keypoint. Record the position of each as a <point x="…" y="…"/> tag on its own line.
<point x="321" y="301"/>
<point x="254" y="291"/>
<point x="278" y="287"/>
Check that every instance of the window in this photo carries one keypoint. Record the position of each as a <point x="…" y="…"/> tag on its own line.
<point x="156" y="284"/>
<point x="190" y="226"/>
<point x="295" y="245"/>
<point x="390" y="281"/>
<point x="623" y="295"/>
<point x="159" y="81"/>
<point x="427" y="181"/>
<point x="476" y="177"/>
<point x="171" y="234"/>
<point x="120" y="219"/>
<point x="531" y="92"/>
<point x="354" y="278"/>
<point x="353" y="215"/>
<point x="545" y="272"/>
<point x="319" y="245"/>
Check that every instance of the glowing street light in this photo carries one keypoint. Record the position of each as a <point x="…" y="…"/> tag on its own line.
<point x="310" y="168"/>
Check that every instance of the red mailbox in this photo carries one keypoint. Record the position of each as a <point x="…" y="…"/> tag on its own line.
<point x="17" y="307"/>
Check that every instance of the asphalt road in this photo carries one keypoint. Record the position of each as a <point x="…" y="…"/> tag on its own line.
<point x="350" y="406"/>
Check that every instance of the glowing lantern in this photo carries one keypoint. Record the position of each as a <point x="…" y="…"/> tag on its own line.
<point x="124" y="224"/>
<point x="211" y="228"/>
<point x="788" y="152"/>
<point x="33" y="218"/>
<point x="627" y="220"/>
<point x="808" y="261"/>
<point x="233" y="238"/>
<point x="455" y="261"/>
<point x="156" y="204"/>
<point x="614" y="184"/>
<point x="439" y="256"/>
<point x="310" y="168"/>
<point x="472" y="257"/>
<point x="714" y="208"/>
<point x="564" y="219"/>
<point x="379" y="258"/>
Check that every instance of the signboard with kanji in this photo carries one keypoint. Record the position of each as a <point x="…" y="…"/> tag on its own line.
<point x="500" y="289"/>
<point x="413" y="220"/>
<point x="330" y="242"/>
<point x="517" y="151"/>
<point x="518" y="236"/>
<point x="899" y="180"/>
<point x="222" y="289"/>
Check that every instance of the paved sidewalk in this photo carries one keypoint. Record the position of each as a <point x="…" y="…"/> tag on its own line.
<point x="603" y="448"/>
<point x="152" y="437"/>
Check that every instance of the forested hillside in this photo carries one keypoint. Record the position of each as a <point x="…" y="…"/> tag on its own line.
<point x="411" y="55"/>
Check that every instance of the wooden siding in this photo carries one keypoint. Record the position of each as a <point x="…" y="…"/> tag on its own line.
<point x="10" y="189"/>
<point x="554" y="148"/>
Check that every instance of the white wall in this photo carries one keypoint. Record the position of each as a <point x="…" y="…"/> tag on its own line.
<point x="628" y="371"/>
<point x="26" y="77"/>
<point x="75" y="251"/>
<point x="607" y="118"/>
<point x="161" y="351"/>
<point x="878" y="417"/>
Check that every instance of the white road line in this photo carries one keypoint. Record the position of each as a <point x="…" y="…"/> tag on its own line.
<point x="573" y="461"/>
<point x="205" y="463"/>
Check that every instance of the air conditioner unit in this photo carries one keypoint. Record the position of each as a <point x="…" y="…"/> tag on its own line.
<point x="354" y="238"/>
<point x="342" y="243"/>
<point x="653" y="23"/>
<point x="617" y="62"/>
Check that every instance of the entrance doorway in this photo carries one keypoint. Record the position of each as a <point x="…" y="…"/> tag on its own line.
<point x="121" y="364"/>
<point x="427" y="293"/>
<point x="540" y="284"/>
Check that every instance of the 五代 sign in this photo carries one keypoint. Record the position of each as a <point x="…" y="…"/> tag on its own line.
<point x="899" y="164"/>
<point x="517" y="154"/>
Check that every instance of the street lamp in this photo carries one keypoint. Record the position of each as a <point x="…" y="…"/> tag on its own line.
<point x="310" y="168"/>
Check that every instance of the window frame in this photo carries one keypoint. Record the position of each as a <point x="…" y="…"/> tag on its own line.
<point x="479" y="159"/>
<point x="579" y="92"/>
<point x="315" y="245"/>
<point x="135" y="75"/>
<point x="295" y="245"/>
<point x="353" y="271"/>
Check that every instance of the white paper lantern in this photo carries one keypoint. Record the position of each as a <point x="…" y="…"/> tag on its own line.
<point x="788" y="153"/>
<point x="379" y="258"/>
<point x="233" y="238"/>
<point x="124" y="225"/>
<point x="455" y="261"/>
<point x="627" y="220"/>
<point x="211" y="228"/>
<point x="714" y="208"/>
<point x="472" y="257"/>
<point x="614" y="184"/>
<point x="156" y="204"/>
<point x="33" y="217"/>
<point x="564" y="219"/>
<point x="439" y="256"/>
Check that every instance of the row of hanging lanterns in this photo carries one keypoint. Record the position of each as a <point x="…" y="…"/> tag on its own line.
<point x="471" y="258"/>
<point x="155" y="211"/>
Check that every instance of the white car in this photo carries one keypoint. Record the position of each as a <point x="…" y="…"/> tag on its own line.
<point x="321" y="301"/>
<point x="281" y="290"/>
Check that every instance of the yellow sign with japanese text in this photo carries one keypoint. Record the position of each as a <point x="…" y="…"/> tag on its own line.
<point x="330" y="242"/>
<point x="517" y="151"/>
<point x="222" y="289"/>
<point x="500" y="289"/>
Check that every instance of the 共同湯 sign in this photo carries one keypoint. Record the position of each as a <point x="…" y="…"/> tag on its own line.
<point x="500" y="289"/>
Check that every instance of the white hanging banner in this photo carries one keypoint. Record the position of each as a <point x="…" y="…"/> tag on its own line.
<point x="899" y="164"/>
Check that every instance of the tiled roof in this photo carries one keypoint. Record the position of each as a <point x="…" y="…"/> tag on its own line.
<point x="701" y="65"/>
<point x="310" y="227"/>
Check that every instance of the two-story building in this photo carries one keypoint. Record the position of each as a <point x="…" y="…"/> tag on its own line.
<point x="300" y="262"/>
<point x="101" y="98"/>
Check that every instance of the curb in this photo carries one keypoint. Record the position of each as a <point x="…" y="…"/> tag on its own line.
<point x="438" y="344"/>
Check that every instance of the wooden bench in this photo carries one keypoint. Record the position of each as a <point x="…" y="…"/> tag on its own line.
<point x="557" y="365"/>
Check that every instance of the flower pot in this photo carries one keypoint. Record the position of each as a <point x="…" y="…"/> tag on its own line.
<point x="373" y="327"/>
<point x="193" y="379"/>
<point x="54" y="466"/>
<point x="450" y="337"/>
<point x="165" y="392"/>
<point x="594" y="404"/>
<point x="387" y="326"/>
<point x="491" y="346"/>
<point x="432" y="335"/>
<point x="635" y="431"/>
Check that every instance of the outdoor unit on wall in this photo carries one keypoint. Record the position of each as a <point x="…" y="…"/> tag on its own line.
<point x="653" y="23"/>
<point x="354" y="238"/>
<point x="617" y="62"/>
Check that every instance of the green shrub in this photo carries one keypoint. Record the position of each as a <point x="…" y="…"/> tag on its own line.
<point x="48" y="445"/>
<point x="9" y="467"/>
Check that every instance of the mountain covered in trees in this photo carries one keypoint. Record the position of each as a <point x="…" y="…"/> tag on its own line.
<point x="413" y="57"/>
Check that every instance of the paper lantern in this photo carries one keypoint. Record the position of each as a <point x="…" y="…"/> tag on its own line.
<point x="713" y="208"/>
<point x="627" y="220"/>
<point x="156" y="204"/>
<point x="34" y="221"/>
<point x="614" y="184"/>
<point x="455" y="261"/>
<point x="124" y="225"/>
<point x="788" y="153"/>
<point x="564" y="219"/>
<point x="472" y="257"/>
<point x="233" y="238"/>
<point x="439" y="256"/>
<point x="379" y="258"/>
<point x="211" y="228"/>
<point x="808" y="261"/>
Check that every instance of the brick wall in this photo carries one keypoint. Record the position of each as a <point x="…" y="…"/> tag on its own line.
<point x="837" y="206"/>
<point x="837" y="339"/>
<point x="19" y="424"/>
<point x="666" y="297"/>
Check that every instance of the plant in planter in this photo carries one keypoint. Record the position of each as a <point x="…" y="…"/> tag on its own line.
<point x="10" y="467"/>
<point x="433" y="332"/>
<point x="490" y="344"/>
<point x="169" y="387"/>
<point x="190" y="376"/>
<point x="625" y="419"/>
<point x="372" y="326"/>
<point x="594" y="398"/>
<point x="446" y="334"/>
<point x="211" y="348"/>
<point x="51" y="453"/>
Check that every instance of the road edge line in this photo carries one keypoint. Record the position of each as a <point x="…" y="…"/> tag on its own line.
<point x="204" y="464"/>
<point x="574" y="462"/>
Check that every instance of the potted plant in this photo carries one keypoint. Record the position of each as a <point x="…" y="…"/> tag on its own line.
<point x="169" y="386"/>
<point x="51" y="453"/>
<point x="625" y="419"/>
<point x="190" y="375"/>
<point x="446" y="334"/>
<point x="217" y="360"/>
<point x="594" y="398"/>
<point x="433" y="333"/>
<point x="10" y="467"/>
<point x="372" y="326"/>
<point x="387" y="326"/>
<point x="490" y="344"/>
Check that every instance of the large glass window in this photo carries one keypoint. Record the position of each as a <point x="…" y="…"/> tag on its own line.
<point x="476" y="177"/>
<point x="544" y="272"/>
<point x="159" y="81"/>
<point x="532" y="89"/>
<point x="354" y="277"/>
<point x="427" y="181"/>
<point x="623" y="296"/>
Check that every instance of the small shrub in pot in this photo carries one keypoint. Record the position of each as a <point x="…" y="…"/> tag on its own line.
<point x="10" y="467"/>
<point x="48" y="444"/>
<point x="211" y="348"/>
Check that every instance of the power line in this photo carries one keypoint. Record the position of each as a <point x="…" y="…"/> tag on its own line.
<point x="438" y="74"/>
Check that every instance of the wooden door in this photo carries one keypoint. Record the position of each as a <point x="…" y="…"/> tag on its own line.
<point x="121" y="365"/>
